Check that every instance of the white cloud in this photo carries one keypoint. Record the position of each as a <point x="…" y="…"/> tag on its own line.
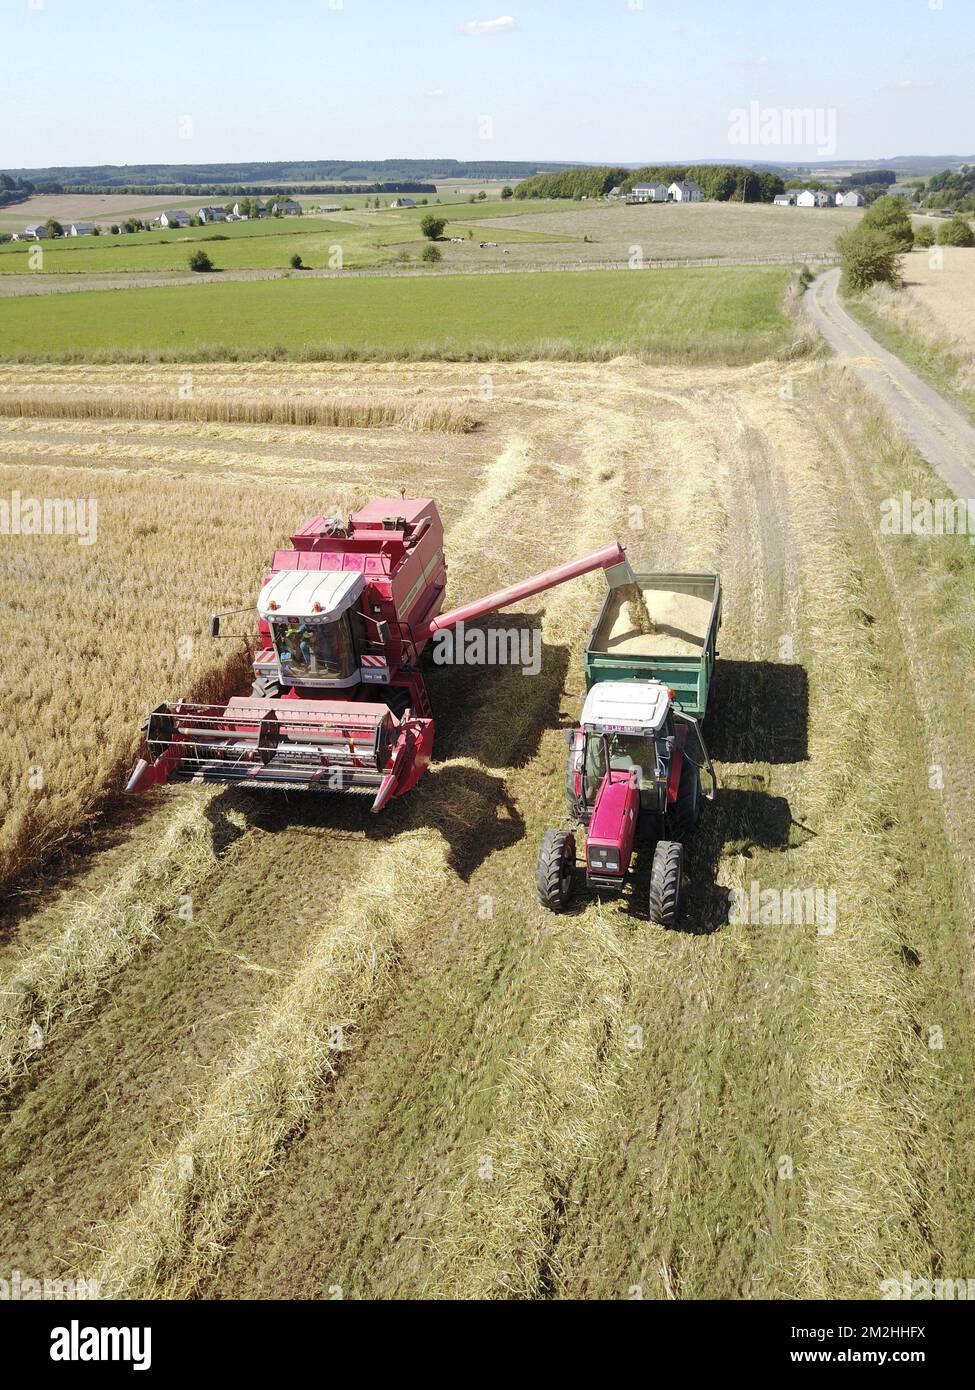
<point x="909" y="82"/>
<point x="435" y="92"/>
<point x="481" y="28"/>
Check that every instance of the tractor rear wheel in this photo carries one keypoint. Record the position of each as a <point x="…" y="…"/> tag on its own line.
<point x="665" y="882"/>
<point x="556" y="868"/>
<point x="573" y="804"/>
<point x="686" y="809"/>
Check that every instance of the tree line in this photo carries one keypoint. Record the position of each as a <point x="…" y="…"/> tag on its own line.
<point x="720" y="182"/>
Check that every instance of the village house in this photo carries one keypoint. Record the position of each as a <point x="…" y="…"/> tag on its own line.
<point x="286" y="207"/>
<point x="174" y="217"/>
<point x="213" y="214"/>
<point x="813" y="198"/>
<point x="784" y="200"/>
<point x="36" y="231"/>
<point x="81" y="229"/>
<point x="852" y="198"/>
<point x="403" y="203"/>
<point x="684" y="191"/>
<point x="648" y="193"/>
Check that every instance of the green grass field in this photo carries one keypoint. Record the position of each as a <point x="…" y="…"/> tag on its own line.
<point x="732" y="314"/>
<point x="367" y="238"/>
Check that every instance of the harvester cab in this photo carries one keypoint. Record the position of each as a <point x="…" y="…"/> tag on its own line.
<point x="636" y="761"/>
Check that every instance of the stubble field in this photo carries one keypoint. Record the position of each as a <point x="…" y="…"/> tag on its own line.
<point x="281" y="1047"/>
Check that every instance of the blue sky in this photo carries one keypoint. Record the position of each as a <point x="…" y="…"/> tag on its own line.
<point x="114" y="81"/>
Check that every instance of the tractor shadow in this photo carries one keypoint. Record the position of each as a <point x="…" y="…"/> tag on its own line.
<point x="758" y="712"/>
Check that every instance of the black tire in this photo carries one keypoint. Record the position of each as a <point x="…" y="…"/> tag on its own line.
<point x="555" y="872"/>
<point x="683" y="815"/>
<point x="573" y="804"/>
<point x="267" y="688"/>
<point x="397" y="697"/>
<point x="666" y="888"/>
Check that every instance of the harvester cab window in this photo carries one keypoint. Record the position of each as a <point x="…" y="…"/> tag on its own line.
<point x="314" y="649"/>
<point x="630" y="753"/>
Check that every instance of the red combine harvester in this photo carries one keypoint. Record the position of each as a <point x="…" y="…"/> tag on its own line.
<point x="338" y="702"/>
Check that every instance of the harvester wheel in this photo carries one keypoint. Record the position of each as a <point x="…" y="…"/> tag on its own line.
<point x="556" y="869"/>
<point x="665" y="882"/>
<point x="266" y="688"/>
<point x="686" y="809"/>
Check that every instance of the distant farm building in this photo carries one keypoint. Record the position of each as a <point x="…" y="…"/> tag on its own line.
<point x="901" y="190"/>
<point x="649" y="193"/>
<point x="211" y="214"/>
<point x="286" y="207"/>
<point x="329" y="207"/>
<point x="784" y="200"/>
<point x="81" y="229"/>
<point x="36" y="231"/>
<point x="403" y="203"/>
<point x="813" y="198"/>
<point x="174" y="217"/>
<point x="850" y="199"/>
<point x="684" y="191"/>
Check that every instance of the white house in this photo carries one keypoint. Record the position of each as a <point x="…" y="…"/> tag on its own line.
<point x="81" y="229"/>
<point x="329" y="207"/>
<point x="684" y="191"/>
<point x="211" y="214"/>
<point x="851" y="199"/>
<point x="174" y="217"/>
<point x="784" y="200"/>
<point x="813" y="198"/>
<point x="287" y="207"/>
<point x="649" y="193"/>
<point x="615" y="192"/>
<point x="900" y="190"/>
<point x="36" y="231"/>
<point x="403" y="203"/>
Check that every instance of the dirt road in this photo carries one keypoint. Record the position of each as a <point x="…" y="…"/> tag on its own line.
<point x="941" y="434"/>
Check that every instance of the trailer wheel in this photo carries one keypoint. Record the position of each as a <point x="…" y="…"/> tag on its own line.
<point x="686" y="809"/>
<point x="665" y="882"/>
<point x="556" y="867"/>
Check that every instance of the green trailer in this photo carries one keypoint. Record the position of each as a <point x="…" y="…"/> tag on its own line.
<point x="685" y="610"/>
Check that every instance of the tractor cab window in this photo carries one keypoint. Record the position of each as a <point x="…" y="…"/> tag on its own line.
<point x="310" y="649"/>
<point x="631" y="753"/>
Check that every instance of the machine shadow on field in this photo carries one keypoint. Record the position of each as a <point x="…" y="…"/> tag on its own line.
<point x="758" y="712"/>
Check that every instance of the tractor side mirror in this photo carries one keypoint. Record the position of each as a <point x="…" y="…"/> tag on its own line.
<point x="215" y="625"/>
<point x="382" y="631"/>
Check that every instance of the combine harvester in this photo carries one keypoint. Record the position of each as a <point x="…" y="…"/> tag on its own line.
<point x="338" y="702"/>
<point x="638" y="760"/>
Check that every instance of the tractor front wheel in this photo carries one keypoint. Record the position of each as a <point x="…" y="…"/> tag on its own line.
<point x="666" y="888"/>
<point x="556" y="868"/>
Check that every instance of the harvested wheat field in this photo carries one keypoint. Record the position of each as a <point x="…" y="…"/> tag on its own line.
<point x="273" y="1047"/>
<point x="936" y="306"/>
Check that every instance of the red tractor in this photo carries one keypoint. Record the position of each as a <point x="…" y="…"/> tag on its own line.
<point x="338" y="701"/>
<point x="638" y="765"/>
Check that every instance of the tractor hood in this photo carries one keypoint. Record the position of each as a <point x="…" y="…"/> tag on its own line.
<point x="628" y="707"/>
<point x="315" y="595"/>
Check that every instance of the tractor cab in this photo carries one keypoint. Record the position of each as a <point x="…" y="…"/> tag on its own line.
<point x="314" y="626"/>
